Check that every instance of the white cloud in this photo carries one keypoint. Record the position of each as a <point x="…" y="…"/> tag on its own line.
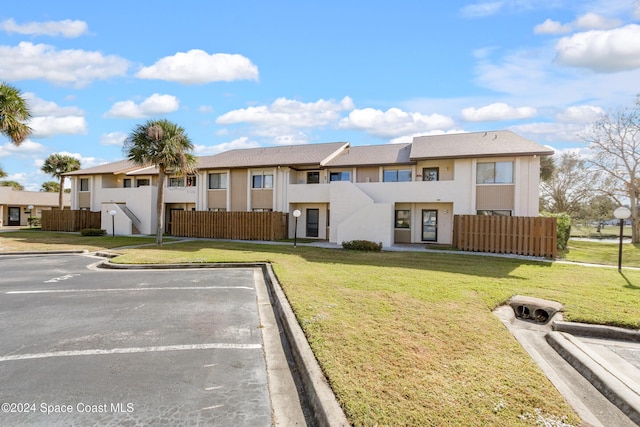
<point x="552" y="27"/>
<point x="593" y="21"/>
<point x="28" y="61"/>
<point x="48" y="126"/>
<point x="482" y="9"/>
<point x="113" y="138"/>
<point x="394" y="122"/>
<point x="588" y="21"/>
<point x="40" y="107"/>
<point x="26" y="148"/>
<point x="602" y="51"/>
<point x="154" y="105"/>
<point x="66" y="28"/>
<point x="204" y="109"/>
<point x="552" y="132"/>
<point x="198" y="67"/>
<point x="497" y="111"/>
<point x="240" y="143"/>
<point x="289" y="113"/>
<point x="580" y="114"/>
<point x="409" y="138"/>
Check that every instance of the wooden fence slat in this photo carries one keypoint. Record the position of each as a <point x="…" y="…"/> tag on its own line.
<point x="69" y="220"/>
<point x="231" y="225"/>
<point x="534" y="236"/>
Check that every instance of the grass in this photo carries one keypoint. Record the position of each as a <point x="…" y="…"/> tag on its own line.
<point x="605" y="252"/>
<point x="38" y="240"/>
<point x="606" y="232"/>
<point x="409" y="338"/>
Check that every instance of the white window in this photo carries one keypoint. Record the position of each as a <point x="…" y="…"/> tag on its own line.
<point x="217" y="181"/>
<point x="176" y="181"/>
<point x="494" y="173"/>
<point x="84" y="184"/>
<point x="262" y="181"/>
<point x="397" y="175"/>
<point x="340" y="176"/>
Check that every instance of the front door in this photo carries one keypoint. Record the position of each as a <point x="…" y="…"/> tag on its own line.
<point x="429" y="225"/>
<point x="313" y="222"/>
<point x="14" y="215"/>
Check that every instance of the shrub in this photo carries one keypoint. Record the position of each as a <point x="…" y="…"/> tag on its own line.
<point x="93" y="232"/>
<point x="564" y="227"/>
<point x="362" y="245"/>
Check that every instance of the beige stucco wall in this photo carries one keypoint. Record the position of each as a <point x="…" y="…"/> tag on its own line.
<point x="262" y="199"/>
<point x="238" y="186"/>
<point x="217" y="199"/>
<point x="368" y="174"/>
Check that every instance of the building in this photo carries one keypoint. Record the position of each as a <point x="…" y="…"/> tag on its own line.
<point x="393" y="193"/>
<point x="17" y="206"/>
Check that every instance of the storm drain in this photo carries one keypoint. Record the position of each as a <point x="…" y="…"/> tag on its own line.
<point x="534" y="309"/>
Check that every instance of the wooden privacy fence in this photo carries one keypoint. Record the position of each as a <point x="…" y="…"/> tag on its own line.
<point x="67" y="220"/>
<point x="230" y="225"/>
<point x="533" y="236"/>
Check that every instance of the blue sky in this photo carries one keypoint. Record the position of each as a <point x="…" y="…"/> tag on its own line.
<point x="257" y="73"/>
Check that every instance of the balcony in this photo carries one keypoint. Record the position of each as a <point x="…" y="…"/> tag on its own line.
<point x="387" y="192"/>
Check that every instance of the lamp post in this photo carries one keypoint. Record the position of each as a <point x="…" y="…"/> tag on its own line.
<point x="30" y="220"/>
<point x="296" y="215"/>
<point x="113" y="222"/>
<point x="621" y="213"/>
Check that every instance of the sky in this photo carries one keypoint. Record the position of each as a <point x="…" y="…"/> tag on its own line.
<point x="255" y="73"/>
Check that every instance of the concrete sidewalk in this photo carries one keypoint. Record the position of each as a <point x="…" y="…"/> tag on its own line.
<point x="596" y="368"/>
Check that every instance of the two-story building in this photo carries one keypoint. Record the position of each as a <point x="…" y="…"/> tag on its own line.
<point x="393" y="193"/>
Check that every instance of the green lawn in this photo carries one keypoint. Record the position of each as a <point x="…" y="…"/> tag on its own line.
<point x="410" y="339"/>
<point x="604" y="252"/>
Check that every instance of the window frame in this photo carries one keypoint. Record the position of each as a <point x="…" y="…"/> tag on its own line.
<point x="395" y="175"/>
<point x="493" y="174"/>
<point x="427" y="172"/>
<point x="126" y="181"/>
<point x="83" y="181"/>
<point x="341" y="175"/>
<point x="176" y="182"/>
<point x="314" y="173"/>
<point x="143" y="182"/>
<point x="222" y="183"/>
<point x="264" y="181"/>
<point x="399" y="222"/>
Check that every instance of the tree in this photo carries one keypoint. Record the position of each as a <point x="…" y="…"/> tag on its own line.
<point x="57" y="165"/>
<point x="570" y="185"/>
<point x="50" y="187"/>
<point x="14" y="113"/>
<point x="2" y="172"/>
<point x="614" y="141"/>
<point x="13" y="184"/>
<point x="166" y="146"/>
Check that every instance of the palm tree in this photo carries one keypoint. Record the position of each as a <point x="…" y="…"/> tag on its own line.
<point x="13" y="184"/>
<point x="2" y="172"/>
<point x="166" y="146"/>
<point x="57" y="165"/>
<point x="50" y="187"/>
<point x="14" y="112"/>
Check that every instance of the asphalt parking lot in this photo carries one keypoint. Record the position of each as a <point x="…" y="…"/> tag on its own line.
<point x="85" y="346"/>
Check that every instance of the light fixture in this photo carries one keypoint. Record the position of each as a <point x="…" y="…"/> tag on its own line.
<point x="296" y="215"/>
<point x="113" y="222"/>
<point x="621" y="213"/>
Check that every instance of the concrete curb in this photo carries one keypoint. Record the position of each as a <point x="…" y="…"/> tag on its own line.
<point x="60" y="252"/>
<point x="324" y="405"/>
<point x="597" y="331"/>
<point x="594" y="369"/>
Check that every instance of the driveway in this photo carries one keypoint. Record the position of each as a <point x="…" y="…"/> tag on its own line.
<point x="83" y="346"/>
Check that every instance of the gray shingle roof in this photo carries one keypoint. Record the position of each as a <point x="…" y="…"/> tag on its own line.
<point x="290" y="155"/>
<point x="121" y="166"/>
<point x="475" y="144"/>
<point x="370" y="155"/>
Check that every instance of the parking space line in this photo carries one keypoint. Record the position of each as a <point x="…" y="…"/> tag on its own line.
<point x="170" y="288"/>
<point x="96" y="352"/>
